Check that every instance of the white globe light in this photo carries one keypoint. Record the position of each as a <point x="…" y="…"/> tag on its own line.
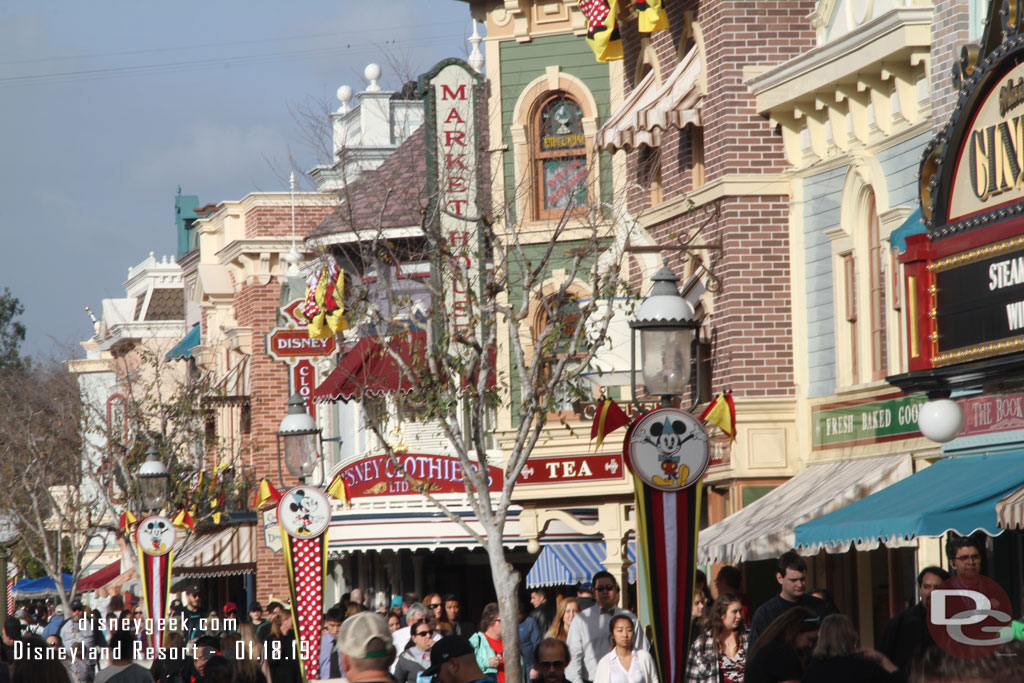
<point x="941" y="419"/>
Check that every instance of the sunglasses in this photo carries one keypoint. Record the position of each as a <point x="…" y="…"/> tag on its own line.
<point x="137" y="613"/>
<point x="424" y="633"/>
<point x="435" y="605"/>
<point x="605" y="588"/>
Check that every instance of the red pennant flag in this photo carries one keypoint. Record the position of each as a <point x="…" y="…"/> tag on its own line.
<point x="721" y="412"/>
<point x="266" y="494"/>
<point x="609" y="417"/>
<point x="128" y="522"/>
<point x="184" y="520"/>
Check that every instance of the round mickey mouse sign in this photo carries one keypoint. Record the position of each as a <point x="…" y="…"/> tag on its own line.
<point x="304" y="512"/>
<point x="668" y="449"/>
<point x="155" y="535"/>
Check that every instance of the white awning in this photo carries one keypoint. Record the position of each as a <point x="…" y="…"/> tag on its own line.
<point x="651" y="109"/>
<point x="227" y="552"/>
<point x="764" y="529"/>
<point x="1010" y="510"/>
<point x="425" y="527"/>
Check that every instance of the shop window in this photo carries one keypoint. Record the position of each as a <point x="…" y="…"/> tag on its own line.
<point x="877" y="262"/>
<point x="560" y="156"/>
<point x="697" y="163"/>
<point x="850" y="305"/>
<point x="649" y="172"/>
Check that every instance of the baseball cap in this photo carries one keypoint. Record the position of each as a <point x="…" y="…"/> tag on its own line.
<point x="76" y="604"/>
<point x="396" y="602"/>
<point x="21" y="613"/>
<point x="358" y="630"/>
<point x="446" y="649"/>
<point x="193" y="589"/>
<point x="229" y="607"/>
<point x="255" y="606"/>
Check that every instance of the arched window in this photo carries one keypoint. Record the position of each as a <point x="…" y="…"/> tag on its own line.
<point x="560" y="156"/>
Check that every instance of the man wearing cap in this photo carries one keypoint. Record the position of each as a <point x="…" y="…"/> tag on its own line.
<point x="229" y="624"/>
<point x="82" y="640"/>
<point x="588" y="633"/>
<point x="256" y="614"/>
<point x="192" y="614"/>
<point x="366" y="648"/>
<point x="452" y="660"/>
<point x="330" y="658"/>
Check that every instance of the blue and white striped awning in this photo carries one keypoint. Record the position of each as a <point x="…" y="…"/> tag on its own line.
<point x="567" y="564"/>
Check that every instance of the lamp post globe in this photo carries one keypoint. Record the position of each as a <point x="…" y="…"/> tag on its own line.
<point x="298" y="439"/>
<point x="154" y="481"/>
<point x="667" y="324"/>
<point x="940" y="419"/>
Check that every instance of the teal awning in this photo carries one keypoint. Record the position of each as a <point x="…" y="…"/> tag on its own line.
<point x="911" y="226"/>
<point x="183" y="349"/>
<point x="957" y="494"/>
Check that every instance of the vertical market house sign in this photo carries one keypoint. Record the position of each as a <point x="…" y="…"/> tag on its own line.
<point x="965" y="277"/>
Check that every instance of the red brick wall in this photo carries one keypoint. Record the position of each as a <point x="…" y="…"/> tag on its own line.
<point x="752" y="327"/>
<point x="950" y="30"/>
<point x="255" y="307"/>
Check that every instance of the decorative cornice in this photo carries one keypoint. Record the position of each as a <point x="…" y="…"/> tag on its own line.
<point x="737" y="185"/>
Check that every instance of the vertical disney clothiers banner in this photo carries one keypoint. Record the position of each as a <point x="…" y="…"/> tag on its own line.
<point x="668" y="451"/>
<point x="154" y="542"/>
<point x="304" y="513"/>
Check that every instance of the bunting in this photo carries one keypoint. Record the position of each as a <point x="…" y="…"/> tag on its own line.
<point x="651" y="16"/>
<point x="721" y="412"/>
<point x="127" y="522"/>
<point x="602" y="24"/>
<point x="339" y="490"/>
<point x="608" y="418"/>
<point x="266" y="494"/>
<point x="324" y="305"/>
<point x="183" y="520"/>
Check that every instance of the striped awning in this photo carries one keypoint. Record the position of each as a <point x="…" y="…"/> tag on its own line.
<point x="228" y="552"/>
<point x="1010" y="510"/>
<point x="567" y="564"/>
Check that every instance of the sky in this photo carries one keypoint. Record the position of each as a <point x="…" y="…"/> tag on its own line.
<point x="108" y="106"/>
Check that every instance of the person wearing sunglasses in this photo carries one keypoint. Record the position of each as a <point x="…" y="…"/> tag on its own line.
<point x="416" y="656"/>
<point x="551" y="658"/>
<point x="588" y="633"/>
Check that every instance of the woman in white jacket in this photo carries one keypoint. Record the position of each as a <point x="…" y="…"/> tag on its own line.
<point x="624" y="664"/>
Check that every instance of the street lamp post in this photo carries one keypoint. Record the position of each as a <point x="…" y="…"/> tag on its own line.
<point x="9" y="536"/>
<point x="298" y="441"/>
<point x="154" y="481"/>
<point x="668" y="326"/>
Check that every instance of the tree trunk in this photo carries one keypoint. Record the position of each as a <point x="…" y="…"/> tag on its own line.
<point x="506" y="584"/>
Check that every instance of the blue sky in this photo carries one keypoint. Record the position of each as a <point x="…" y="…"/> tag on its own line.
<point x="107" y="106"/>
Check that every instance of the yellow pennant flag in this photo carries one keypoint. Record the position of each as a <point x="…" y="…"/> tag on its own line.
<point x="339" y="490"/>
<point x="266" y="494"/>
<point x="721" y="412"/>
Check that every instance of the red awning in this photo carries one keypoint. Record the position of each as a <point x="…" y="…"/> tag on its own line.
<point x="369" y="368"/>
<point x="100" y="578"/>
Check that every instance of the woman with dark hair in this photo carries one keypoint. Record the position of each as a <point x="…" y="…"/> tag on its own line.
<point x="778" y="655"/>
<point x="218" y="670"/>
<point x="174" y="665"/>
<point x="699" y="612"/>
<point x="416" y="657"/>
<point x="282" y="652"/>
<point x="837" y="659"/>
<point x="719" y="654"/>
<point x="624" y="664"/>
<point x="33" y="668"/>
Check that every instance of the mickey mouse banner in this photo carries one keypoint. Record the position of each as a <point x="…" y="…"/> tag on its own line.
<point x="304" y="513"/>
<point x="668" y="451"/>
<point x="154" y="542"/>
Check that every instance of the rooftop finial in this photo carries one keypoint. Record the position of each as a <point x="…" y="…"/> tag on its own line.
<point x="372" y="74"/>
<point x="476" y="58"/>
<point x="344" y="96"/>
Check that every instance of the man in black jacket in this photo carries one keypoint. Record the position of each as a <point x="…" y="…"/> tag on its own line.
<point x="792" y="577"/>
<point x="906" y="635"/>
<point x="543" y="611"/>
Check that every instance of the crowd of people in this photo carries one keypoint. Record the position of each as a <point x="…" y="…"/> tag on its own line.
<point x="797" y="635"/>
